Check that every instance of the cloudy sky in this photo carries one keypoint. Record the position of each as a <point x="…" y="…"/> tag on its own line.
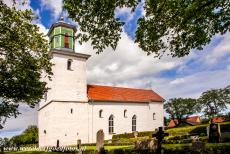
<point x="129" y="66"/>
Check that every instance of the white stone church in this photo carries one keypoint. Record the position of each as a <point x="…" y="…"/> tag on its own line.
<point x="73" y="109"/>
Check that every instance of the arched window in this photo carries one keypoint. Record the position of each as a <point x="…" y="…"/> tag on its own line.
<point x="125" y="113"/>
<point x="44" y="131"/>
<point x="66" y="40"/>
<point x="69" y="63"/>
<point x="100" y="114"/>
<point x="134" y="123"/>
<point x="154" y="114"/>
<point x="111" y="124"/>
<point x="71" y="111"/>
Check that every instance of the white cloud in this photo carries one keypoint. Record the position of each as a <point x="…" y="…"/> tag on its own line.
<point x="129" y="66"/>
<point x="128" y="61"/>
<point x="193" y="85"/>
<point x="221" y="50"/>
<point x="27" y="117"/>
<point x="228" y="67"/>
<point x="20" y="4"/>
<point x="53" y="5"/>
<point x="177" y="81"/>
<point x="43" y="29"/>
<point x="124" y="11"/>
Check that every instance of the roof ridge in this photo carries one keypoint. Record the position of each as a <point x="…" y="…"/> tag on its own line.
<point x="119" y="87"/>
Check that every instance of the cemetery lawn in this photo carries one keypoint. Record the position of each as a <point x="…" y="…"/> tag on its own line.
<point x="182" y="146"/>
<point x="111" y="147"/>
<point x="32" y="152"/>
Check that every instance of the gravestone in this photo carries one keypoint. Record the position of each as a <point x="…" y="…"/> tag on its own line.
<point x="152" y="145"/>
<point x="100" y="141"/>
<point x="195" y="138"/>
<point x="213" y="133"/>
<point x="198" y="146"/>
<point x="160" y="136"/>
<point x="225" y="136"/>
<point x="135" y="134"/>
<point x="147" y="144"/>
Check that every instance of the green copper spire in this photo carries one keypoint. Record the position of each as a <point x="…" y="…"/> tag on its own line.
<point x="61" y="35"/>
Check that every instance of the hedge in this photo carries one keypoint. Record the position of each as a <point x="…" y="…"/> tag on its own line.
<point x="219" y="148"/>
<point x="131" y="135"/>
<point x="196" y="130"/>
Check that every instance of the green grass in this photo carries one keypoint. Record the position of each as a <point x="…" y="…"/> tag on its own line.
<point x="182" y="146"/>
<point x="193" y="129"/>
<point x="110" y="147"/>
<point x="32" y="152"/>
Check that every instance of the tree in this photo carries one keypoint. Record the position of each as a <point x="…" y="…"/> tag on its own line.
<point x="166" y="121"/>
<point x="29" y="136"/>
<point x="23" y="58"/>
<point x="180" y="108"/>
<point x="212" y="102"/>
<point x="175" y="26"/>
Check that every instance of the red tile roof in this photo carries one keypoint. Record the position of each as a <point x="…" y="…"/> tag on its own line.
<point x="218" y="119"/>
<point x="119" y="94"/>
<point x="172" y="123"/>
<point x="193" y="120"/>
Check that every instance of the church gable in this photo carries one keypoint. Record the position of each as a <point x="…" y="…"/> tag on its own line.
<point x="119" y="94"/>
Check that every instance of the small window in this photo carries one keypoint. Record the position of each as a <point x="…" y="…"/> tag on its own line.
<point x="71" y="111"/>
<point x="44" y="131"/>
<point x="57" y="143"/>
<point x="45" y="96"/>
<point x="125" y="113"/>
<point x="111" y="124"/>
<point x="56" y="39"/>
<point x="66" y="40"/>
<point x="154" y="114"/>
<point x="100" y="114"/>
<point x="69" y="63"/>
<point x="134" y="123"/>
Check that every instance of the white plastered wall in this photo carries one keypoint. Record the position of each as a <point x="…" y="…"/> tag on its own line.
<point x="60" y="124"/>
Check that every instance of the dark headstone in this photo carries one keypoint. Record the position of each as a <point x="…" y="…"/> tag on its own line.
<point x="225" y="136"/>
<point x="214" y="133"/>
<point x="160" y="136"/>
<point x="100" y="141"/>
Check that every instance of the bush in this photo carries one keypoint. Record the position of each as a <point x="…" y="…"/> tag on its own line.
<point x="131" y="135"/>
<point x="146" y="133"/>
<point x="216" y="148"/>
<point x="196" y="130"/>
<point x="126" y="135"/>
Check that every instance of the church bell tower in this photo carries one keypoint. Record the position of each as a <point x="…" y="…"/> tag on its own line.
<point x="68" y="82"/>
<point x="61" y="35"/>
